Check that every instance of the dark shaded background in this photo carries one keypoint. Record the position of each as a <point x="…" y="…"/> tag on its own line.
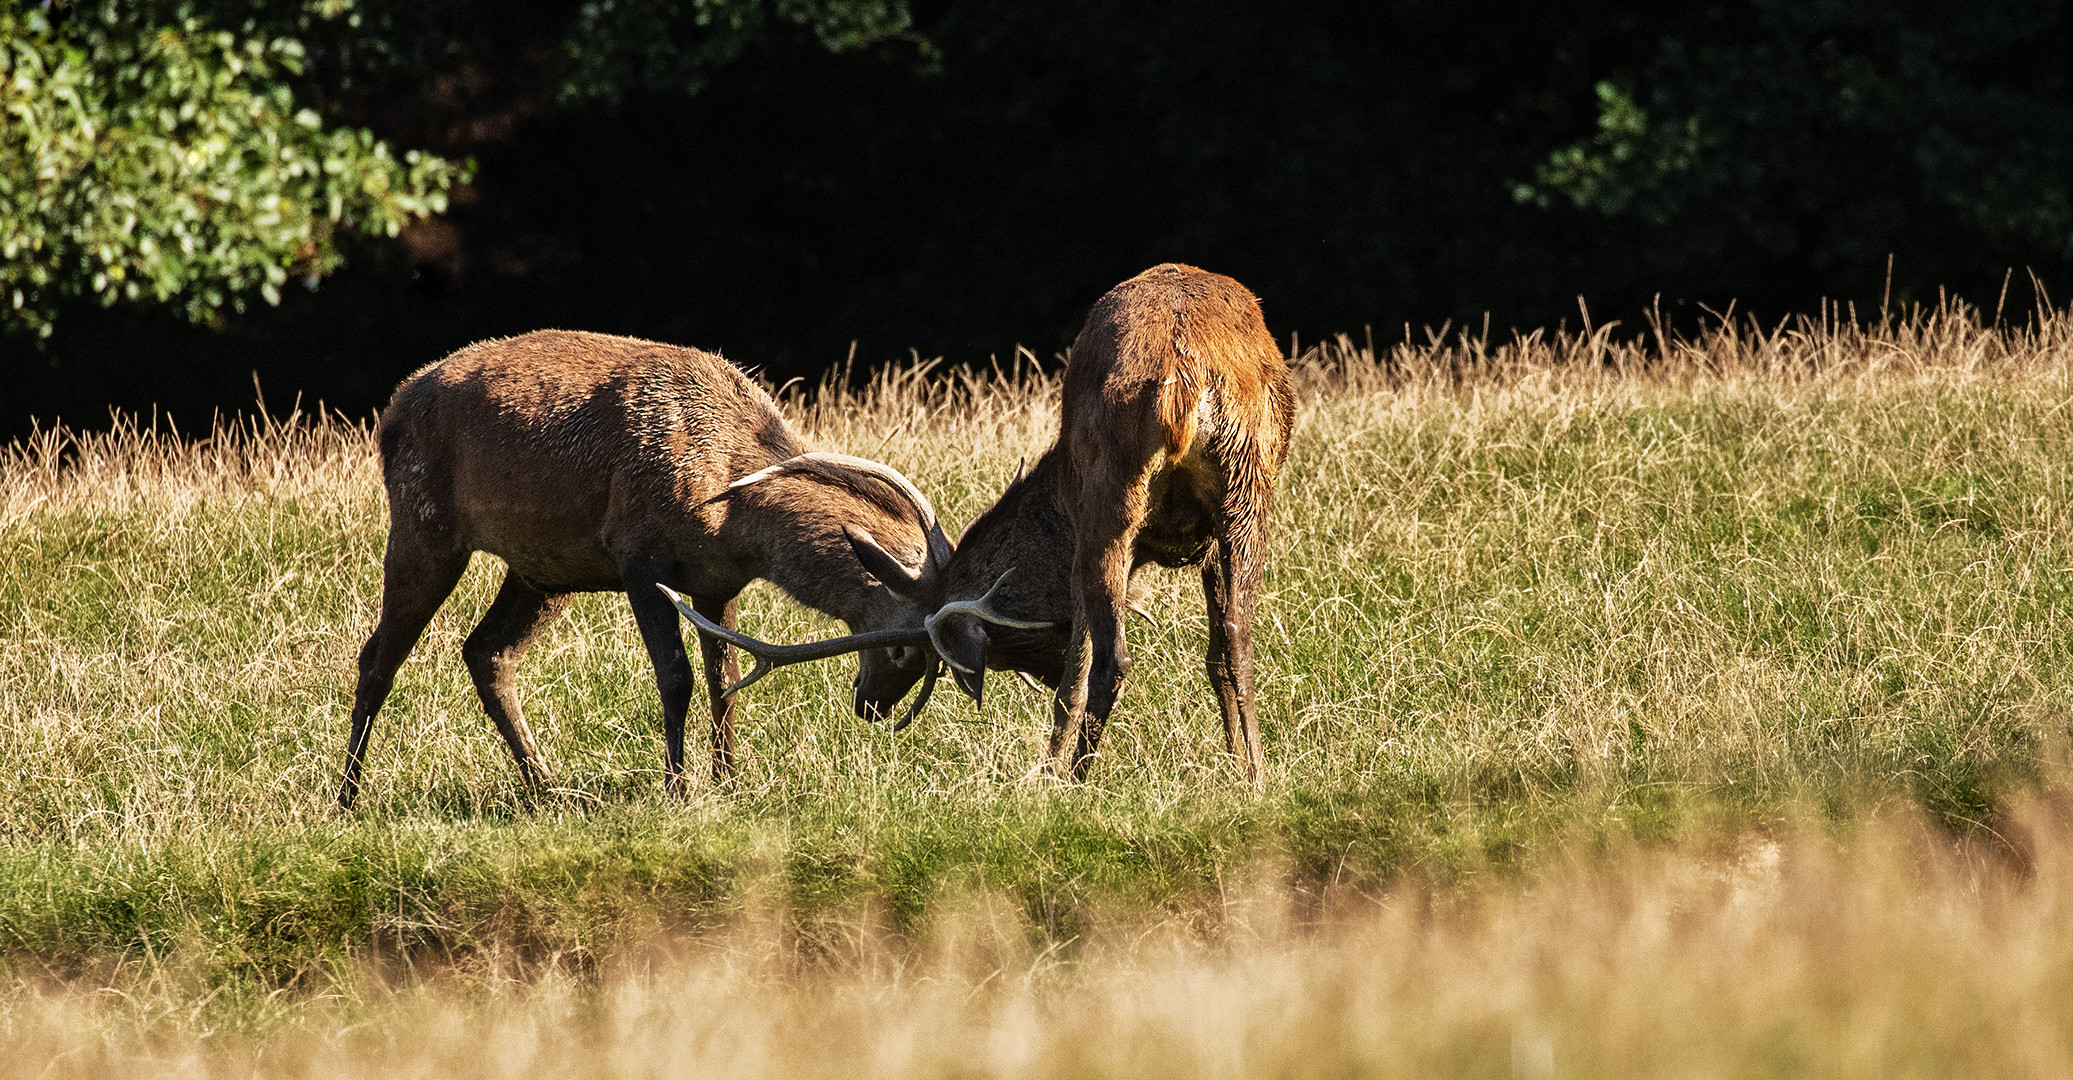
<point x="978" y="183"/>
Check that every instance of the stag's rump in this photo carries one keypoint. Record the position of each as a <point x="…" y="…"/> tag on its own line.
<point x="1182" y="357"/>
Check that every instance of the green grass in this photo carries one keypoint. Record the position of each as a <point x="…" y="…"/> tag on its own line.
<point x="1522" y="600"/>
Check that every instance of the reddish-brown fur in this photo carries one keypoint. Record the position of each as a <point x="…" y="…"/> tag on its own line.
<point x="1177" y="418"/>
<point x="594" y="463"/>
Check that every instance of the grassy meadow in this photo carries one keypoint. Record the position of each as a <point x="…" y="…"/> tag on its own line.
<point x="1693" y="707"/>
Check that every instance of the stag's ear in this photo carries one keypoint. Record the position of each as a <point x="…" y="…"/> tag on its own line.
<point x="905" y="583"/>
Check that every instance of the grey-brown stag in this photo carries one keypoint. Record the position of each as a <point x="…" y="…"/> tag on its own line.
<point x="591" y="463"/>
<point x="1177" y="417"/>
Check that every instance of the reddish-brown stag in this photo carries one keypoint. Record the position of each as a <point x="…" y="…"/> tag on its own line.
<point x="1177" y="417"/>
<point x="591" y="463"/>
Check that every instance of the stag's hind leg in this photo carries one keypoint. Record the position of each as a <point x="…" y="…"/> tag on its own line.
<point x="1097" y="658"/>
<point x="515" y="617"/>
<point x="416" y="579"/>
<point x="1230" y="590"/>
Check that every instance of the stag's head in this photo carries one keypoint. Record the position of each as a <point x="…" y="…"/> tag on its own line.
<point x="1006" y="601"/>
<point x="862" y="544"/>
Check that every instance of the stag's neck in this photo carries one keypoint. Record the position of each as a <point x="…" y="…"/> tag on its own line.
<point x="741" y="538"/>
<point x="1027" y="536"/>
<point x="805" y="555"/>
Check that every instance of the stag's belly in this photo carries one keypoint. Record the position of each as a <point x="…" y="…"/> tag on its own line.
<point x="557" y="552"/>
<point x="563" y="570"/>
<point x="1183" y="505"/>
<point x="550" y="535"/>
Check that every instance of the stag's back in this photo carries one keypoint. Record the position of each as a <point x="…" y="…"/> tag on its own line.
<point x="530" y="447"/>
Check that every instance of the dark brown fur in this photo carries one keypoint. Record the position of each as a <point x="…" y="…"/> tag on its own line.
<point x="591" y="463"/>
<point x="1177" y="418"/>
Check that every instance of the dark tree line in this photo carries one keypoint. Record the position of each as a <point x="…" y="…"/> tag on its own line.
<point x="783" y="178"/>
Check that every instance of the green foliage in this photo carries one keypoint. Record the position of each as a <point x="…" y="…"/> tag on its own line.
<point x="1831" y="133"/>
<point x="1629" y="165"/>
<point x="175" y="153"/>
<point x="622" y="46"/>
<point x="172" y="162"/>
<point x="1352" y="162"/>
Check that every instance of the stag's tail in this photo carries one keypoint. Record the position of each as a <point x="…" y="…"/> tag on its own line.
<point x="1180" y="403"/>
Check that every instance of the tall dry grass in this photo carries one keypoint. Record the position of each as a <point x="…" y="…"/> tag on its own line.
<point x="1895" y="953"/>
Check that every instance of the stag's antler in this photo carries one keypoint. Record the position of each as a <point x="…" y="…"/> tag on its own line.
<point x="836" y="467"/>
<point x="771" y="657"/>
<point x="982" y="609"/>
<point x="928" y="686"/>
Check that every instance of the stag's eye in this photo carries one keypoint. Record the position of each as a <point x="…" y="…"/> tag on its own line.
<point x="904" y="655"/>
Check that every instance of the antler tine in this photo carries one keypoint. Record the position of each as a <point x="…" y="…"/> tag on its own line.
<point x="982" y="609"/>
<point x="771" y="657"/>
<point x="939" y="546"/>
<point x="928" y="686"/>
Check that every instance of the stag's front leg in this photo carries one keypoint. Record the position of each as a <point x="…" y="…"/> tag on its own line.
<point x="721" y="672"/>
<point x="1069" y="704"/>
<point x="1230" y="589"/>
<point x="658" y="622"/>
